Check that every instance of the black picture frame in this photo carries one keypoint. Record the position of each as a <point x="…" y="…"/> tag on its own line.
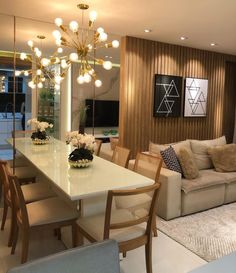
<point x="167" y="96"/>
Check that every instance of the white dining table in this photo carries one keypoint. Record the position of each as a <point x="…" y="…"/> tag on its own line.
<point x="100" y="177"/>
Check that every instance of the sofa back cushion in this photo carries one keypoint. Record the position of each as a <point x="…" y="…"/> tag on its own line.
<point x="200" y="151"/>
<point x="224" y="157"/>
<point x="155" y="149"/>
<point x="188" y="164"/>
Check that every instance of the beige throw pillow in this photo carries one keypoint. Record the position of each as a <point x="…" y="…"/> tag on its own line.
<point x="224" y="157"/>
<point x="188" y="164"/>
<point x="200" y="148"/>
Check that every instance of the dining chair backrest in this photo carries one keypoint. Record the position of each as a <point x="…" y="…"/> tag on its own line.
<point x="4" y="171"/>
<point x="121" y="156"/>
<point x="98" y="147"/>
<point x="21" y="133"/>
<point x="18" y="200"/>
<point x="129" y="217"/>
<point x="148" y="165"/>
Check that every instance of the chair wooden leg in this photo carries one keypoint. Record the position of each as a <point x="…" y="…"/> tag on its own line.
<point x="59" y="234"/>
<point x="25" y="245"/>
<point x="12" y="229"/>
<point x="74" y="234"/>
<point x="148" y="255"/>
<point x="14" y="240"/>
<point x="4" y="215"/>
<point x="80" y="239"/>
<point x="154" y="228"/>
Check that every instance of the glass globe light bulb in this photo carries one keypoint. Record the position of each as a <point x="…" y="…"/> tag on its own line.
<point x="36" y="49"/>
<point x="30" y="43"/>
<point x="58" y="79"/>
<point x="26" y="73"/>
<point x="45" y="62"/>
<point x="17" y="73"/>
<point x="107" y="65"/>
<point x="64" y="64"/>
<point x="56" y="34"/>
<point x="39" y="72"/>
<point x="91" y="71"/>
<point x="38" y="53"/>
<point x="23" y="56"/>
<point x="103" y="37"/>
<point x="115" y="43"/>
<point x="90" y="47"/>
<point x="57" y="87"/>
<point x="40" y="85"/>
<point x="87" y="78"/>
<point x="98" y="83"/>
<point x="100" y="30"/>
<point x="80" y="79"/>
<point x="74" y="26"/>
<point x="60" y="50"/>
<point x="73" y="57"/>
<point x="92" y="15"/>
<point x="58" y="22"/>
<point x="58" y="42"/>
<point x="43" y="79"/>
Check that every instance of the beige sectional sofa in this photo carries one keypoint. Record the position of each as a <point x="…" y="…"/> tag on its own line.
<point x="180" y="196"/>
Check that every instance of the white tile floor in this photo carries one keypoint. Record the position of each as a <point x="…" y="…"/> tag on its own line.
<point x="168" y="255"/>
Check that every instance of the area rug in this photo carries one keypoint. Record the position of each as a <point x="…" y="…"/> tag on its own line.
<point x="210" y="234"/>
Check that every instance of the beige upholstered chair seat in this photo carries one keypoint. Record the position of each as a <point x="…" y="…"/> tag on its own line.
<point x="49" y="211"/>
<point x="205" y="179"/>
<point x="36" y="191"/>
<point x="25" y="172"/>
<point x="94" y="225"/>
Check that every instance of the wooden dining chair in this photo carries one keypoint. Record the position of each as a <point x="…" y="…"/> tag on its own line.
<point x="149" y="166"/>
<point x="123" y="225"/>
<point x="31" y="192"/>
<point x="98" y="147"/>
<point x="20" y="160"/>
<point x="121" y="156"/>
<point x="52" y="213"/>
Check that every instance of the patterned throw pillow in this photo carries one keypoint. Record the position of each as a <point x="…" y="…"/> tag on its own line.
<point x="171" y="160"/>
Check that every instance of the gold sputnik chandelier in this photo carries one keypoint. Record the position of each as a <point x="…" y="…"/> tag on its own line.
<point x="83" y="43"/>
<point x="39" y="70"/>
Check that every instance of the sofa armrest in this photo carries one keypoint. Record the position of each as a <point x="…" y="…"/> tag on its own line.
<point x="169" y="204"/>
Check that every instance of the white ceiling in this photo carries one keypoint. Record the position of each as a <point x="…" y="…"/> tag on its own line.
<point x="202" y="21"/>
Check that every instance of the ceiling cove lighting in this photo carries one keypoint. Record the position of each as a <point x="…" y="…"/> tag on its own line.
<point x="83" y="43"/>
<point x="39" y="71"/>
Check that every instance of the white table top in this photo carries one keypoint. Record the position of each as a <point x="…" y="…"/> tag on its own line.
<point x="226" y="264"/>
<point x="101" y="176"/>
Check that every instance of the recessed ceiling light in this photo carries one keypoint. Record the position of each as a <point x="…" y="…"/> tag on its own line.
<point x="183" y="38"/>
<point x="110" y="57"/>
<point x="147" y="30"/>
<point x="214" y="44"/>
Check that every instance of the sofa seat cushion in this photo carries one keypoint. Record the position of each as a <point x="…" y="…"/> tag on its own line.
<point x="205" y="179"/>
<point x="229" y="177"/>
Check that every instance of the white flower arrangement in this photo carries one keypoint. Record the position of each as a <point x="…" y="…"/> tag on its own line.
<point x="78" y="140"/>
<point x="39" y="125"/>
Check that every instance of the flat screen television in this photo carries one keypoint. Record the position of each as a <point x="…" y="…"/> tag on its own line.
<point x="106" y="113"/>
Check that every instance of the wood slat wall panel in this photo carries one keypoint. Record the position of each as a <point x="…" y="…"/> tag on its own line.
<point x="140" y="61"/>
